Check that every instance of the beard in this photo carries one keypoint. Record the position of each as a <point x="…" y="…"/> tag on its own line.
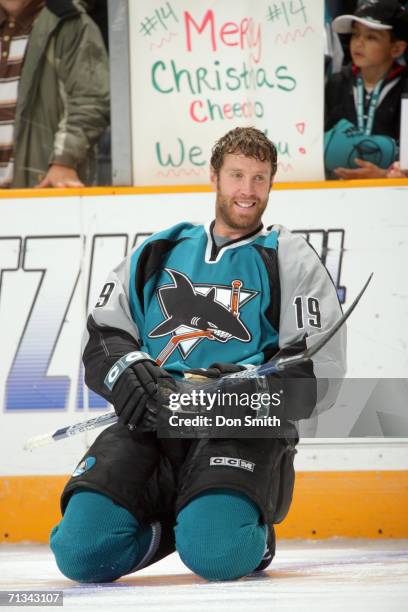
<point x="227" y="212"/>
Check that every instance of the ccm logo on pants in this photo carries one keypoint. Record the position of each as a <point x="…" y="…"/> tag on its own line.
<point x="232" y="462"/>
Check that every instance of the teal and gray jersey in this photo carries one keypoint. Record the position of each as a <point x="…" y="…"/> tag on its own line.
<point x="189" y="303"/>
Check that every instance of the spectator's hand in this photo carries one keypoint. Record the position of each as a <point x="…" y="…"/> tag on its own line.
<point x="60" y="176"/>
<point x="395" y="171"/>
<point x="367" y="170"/>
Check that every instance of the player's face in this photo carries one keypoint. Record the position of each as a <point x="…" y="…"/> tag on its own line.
<point x="370" y="48"/>
<point x="242" y="188"/>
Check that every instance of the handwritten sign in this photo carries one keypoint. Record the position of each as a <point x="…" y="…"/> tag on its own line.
<point x="199" y="69"/>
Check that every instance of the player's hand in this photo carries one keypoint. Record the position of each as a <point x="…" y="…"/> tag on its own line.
<point x="134" y="395"/>
<point x="216" y="370"/>
<point x="366" y="170"/>
<point x="60" y="176"/>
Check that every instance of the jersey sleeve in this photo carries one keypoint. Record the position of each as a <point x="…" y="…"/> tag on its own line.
<point x="309" y="309"/>
<point x="111" y="331"/>
<point x="116" y="323"/>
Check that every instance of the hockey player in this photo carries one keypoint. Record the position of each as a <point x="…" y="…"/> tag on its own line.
<point x="220" y="297"/>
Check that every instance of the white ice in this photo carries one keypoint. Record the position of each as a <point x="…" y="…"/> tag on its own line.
<point x="346" y="575"/>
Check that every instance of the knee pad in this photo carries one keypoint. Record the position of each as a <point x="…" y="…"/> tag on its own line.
<point x="97" y="540"/>
<point x="219" y="535"/>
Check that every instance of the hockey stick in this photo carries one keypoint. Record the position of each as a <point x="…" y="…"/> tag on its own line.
<point x="262" y="370"/>
<point x="175" y="341"/>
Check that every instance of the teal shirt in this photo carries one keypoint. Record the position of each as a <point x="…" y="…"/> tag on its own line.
<point x="201" y="303"/>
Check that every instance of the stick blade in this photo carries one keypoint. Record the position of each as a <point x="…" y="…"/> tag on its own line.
<point x="37" y="441"/>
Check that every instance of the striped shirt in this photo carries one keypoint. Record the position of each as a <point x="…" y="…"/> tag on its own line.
<point x="14" y="35"/>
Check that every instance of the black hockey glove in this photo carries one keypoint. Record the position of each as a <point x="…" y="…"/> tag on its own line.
<point x="216" y="370"/>
<point x="219" y="370"/>
<point x="134" y="395"/>
<point x="296" y="386"/>
<point x="244" y="388"/>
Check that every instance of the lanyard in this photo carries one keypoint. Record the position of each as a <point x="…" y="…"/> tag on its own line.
<point x="367" y="126"/>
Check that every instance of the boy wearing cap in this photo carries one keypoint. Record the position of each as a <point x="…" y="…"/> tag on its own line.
<point x="368" y="92"/>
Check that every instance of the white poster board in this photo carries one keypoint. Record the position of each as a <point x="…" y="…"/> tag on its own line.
<point x="199" y="69"/>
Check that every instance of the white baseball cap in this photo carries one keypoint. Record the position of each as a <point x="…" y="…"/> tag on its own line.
<point x="378" y="15"/>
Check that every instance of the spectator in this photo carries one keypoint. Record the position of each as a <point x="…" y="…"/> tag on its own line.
<point x="54" y="93"/>
<point x="363" y="101"/>
<point x="349" y="6"/>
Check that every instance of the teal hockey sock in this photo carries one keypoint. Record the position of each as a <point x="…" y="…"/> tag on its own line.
<point x="98" y="540"/>
<point x="219" y="535"/>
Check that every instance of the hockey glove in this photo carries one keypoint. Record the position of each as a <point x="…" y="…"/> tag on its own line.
<point x="296" y="386"/>
<point x="134" y="395"/>
<point x="242" y="387"/>
<point x="216" y="370"/>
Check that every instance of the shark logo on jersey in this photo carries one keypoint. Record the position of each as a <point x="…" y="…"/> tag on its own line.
<point x="196" y="312"/>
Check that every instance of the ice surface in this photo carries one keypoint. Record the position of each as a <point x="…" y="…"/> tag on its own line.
<point x="326" y="575"/>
